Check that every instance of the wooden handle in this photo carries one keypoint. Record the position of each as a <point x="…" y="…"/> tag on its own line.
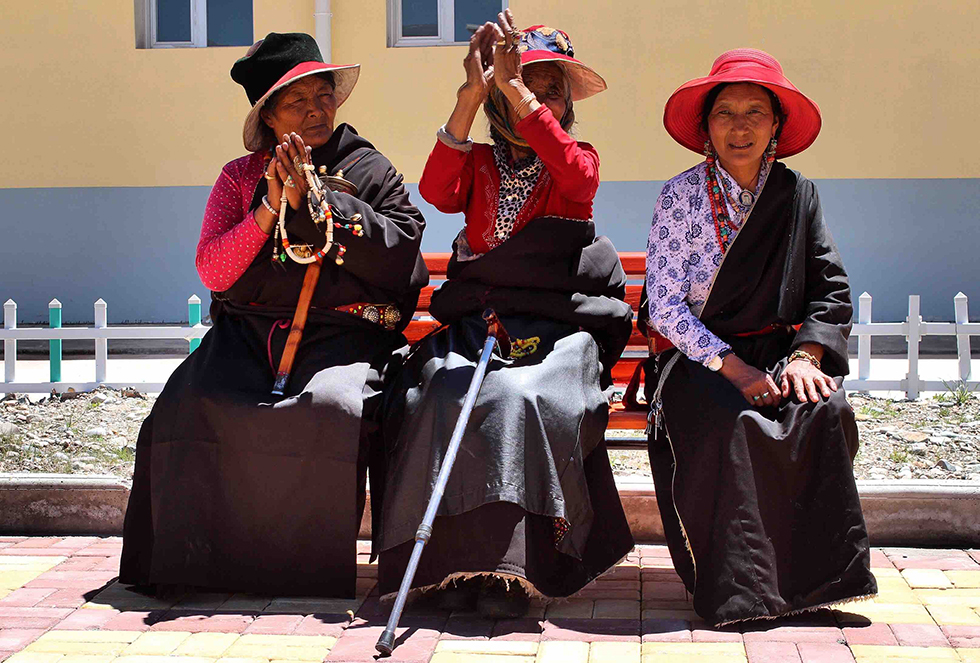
<point x="296" y="330"/>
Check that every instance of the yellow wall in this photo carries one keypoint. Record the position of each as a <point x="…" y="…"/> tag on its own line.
<point x="896" y="82"/>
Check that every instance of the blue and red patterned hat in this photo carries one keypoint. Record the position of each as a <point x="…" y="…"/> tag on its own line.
<point x="539" y="43"/>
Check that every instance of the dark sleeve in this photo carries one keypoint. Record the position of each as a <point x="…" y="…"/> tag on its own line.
<point x="827" y="295"/>
<point x="387" y="255"/>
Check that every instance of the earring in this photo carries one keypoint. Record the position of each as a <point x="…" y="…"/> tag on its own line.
<point x="771" y="151"/>
<point x="709" y="153"/>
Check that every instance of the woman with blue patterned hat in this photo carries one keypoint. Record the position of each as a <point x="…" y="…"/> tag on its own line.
<point x="531" y="507"/>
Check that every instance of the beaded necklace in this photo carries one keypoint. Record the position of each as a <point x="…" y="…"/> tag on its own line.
<point x="725" y="228"/>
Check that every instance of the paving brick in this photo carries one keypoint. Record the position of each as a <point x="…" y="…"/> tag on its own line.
<point x="920" y="558"/>
<point x="705" y="634"/>
<point x="614" y="652"/>
<point x="964" y="597"/>
<point x="616" y="609"/>
<point x="592" y="630"/>
<point x="308" y="606"/>
<point x="319" y="624"/>
<point x="83" y="620"/>
<point x="772" y="652"/>
<point x="528" y="630"/>
<point x="34" y="657"/>
<point x="64" y="598"/>
<point x="275" y="624"/>
<point x="504" y="647"/>
<point x="76" y="542"/>
<point x="919" y="635"/>
<point x="34" y="552"/>
<point x="37" y="542"/>
<point x="661" y="590"/>
<point x="207" y="645"/>
<point x="197" y="622"/>
<point x="825" y="652"/>
<point x="964" y="579"/>
<point x="26" y="597"/>
<point x="203" y="601"/>
<point x="891" y="613"/>
<point x="953" y="615"/>
<point x="729" y="652"/>
<point x="455" y="657"/>
<point x="466" y="627"/>
<point x="135" y="620"/>
<point x="156" y="644"/>
<point x="621" y="572"/>
<point x="872" y="634"/>
<point x="14" y="639"/>
<point x="880" y="560"/>
<point x="967" y="637"/>
<point x="570" y="609"/>
<point x="969" y="655"/>
<point x="872" y="654"/>
<point x="78" y="564"/>
<point x="895" y="590"/>
<point x="83" y="642"/>
<point x="665" y="630"/>
<point x="294" y="647"/>
<point x="245" y="603"/>
<point x="757" y="632"/>
<point x="30" y="618"/>
<point x="926" y="578"/>
<point x="599" y="593"/>
<point x="685" y="613"/>
<point x="562" y="652"/>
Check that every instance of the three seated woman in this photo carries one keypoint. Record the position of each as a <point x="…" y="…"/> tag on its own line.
<point x="751" y="440"/>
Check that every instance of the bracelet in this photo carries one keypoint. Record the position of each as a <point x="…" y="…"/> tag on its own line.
<point x="268" y="206"/>
<point x="803" y="354"/>
<point x="524" y="103"/>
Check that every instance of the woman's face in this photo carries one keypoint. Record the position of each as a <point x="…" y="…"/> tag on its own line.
<point x="547" y="81"/>
<point x="307" y="107"/>
<point x="740" y="124"/>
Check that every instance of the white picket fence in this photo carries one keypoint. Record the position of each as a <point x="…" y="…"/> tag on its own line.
<point x="913" y="329"/>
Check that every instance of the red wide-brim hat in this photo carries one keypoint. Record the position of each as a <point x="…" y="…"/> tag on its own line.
<point x="345" y="77"/>
<point x="682" y="113"/>
<point x="540" y="43"/>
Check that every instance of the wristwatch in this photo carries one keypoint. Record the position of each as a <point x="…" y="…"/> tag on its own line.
<point x="716" y="363"/>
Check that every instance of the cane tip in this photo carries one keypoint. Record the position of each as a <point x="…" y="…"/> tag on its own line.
<point x="385" y="644"/>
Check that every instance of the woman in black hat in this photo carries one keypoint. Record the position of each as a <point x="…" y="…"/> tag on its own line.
<point x="236" y="488"/>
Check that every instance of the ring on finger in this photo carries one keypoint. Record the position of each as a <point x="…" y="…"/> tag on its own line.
<point x="755" y="398"/>
<point x="289" y="182"/>
<point x="269" y="177"/>
<point x="765" y="395"/>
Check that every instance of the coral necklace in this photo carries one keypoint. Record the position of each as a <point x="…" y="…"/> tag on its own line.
<point x="725" y="228"/>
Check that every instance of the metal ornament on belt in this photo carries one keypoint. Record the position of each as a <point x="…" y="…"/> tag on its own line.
<point x="388" y="316"/>
<point x="321" y="214"/>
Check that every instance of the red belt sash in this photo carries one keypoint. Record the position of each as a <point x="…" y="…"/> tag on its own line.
<point x="657" y="343"/>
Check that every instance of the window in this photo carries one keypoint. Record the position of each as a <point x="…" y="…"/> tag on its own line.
<point x="438" y="22"/>
<point x="193" y="23"/>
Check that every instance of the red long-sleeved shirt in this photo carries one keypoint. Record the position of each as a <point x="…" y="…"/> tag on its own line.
<point x="469" y="182"/>
<point x="230" y="237"/>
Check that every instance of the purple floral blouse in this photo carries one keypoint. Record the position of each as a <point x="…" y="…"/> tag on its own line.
<point x="683" y="256"/>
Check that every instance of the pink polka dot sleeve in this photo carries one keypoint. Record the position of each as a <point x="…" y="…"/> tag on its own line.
<point x="230" y="237"/>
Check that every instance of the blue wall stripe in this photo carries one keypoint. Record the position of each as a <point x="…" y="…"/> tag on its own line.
<point x="134" y="247"/>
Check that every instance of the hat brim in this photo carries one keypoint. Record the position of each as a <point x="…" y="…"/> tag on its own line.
<point x="585" y="82"/>
<point x="345" y="78"/>
<point x="682" y="112"/>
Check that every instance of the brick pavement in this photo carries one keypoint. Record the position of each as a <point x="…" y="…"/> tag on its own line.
<point x="59" y="603"/>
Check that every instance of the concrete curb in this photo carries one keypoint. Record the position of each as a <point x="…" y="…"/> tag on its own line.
<point x="898" y="513"/>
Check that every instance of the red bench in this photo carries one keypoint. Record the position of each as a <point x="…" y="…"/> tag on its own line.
<point x="634" y="263"/>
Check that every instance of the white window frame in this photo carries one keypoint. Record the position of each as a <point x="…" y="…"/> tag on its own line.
<point x="446" y="26"/>
<point x="199" y="26"/>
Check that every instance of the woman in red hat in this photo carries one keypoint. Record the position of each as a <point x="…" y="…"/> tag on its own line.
<point x="748" y="313"/>
<point x="531" y="506"/>
<point x="237" y="488"/>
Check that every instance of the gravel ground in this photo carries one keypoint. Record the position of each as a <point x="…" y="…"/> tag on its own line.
<point x="95" y="433"/>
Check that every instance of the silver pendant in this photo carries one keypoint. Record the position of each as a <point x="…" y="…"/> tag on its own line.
<point x="746" y="198"/>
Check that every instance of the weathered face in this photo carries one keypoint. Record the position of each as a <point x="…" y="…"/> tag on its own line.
<point x="741" y="123"/>
<point x="307" y="107"/>
<point x="547" y="81"/>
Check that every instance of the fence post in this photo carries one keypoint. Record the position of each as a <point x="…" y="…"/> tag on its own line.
<point x="54" y="345"/>
<point x="961" y="308"/>
<point x="194" y="317"/>
<point x="101" y="344"/>
<point x="10" y="344"/>
<point x="864" y="340"/>
<point x="915" y="335"/>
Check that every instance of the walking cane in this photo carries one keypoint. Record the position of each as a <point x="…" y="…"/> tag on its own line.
<point x="496" y="335"/>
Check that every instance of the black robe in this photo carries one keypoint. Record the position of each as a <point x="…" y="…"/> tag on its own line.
<point x="759" y="505"/>
<point x="237" y="489"/>
<point x="531" y="493"/>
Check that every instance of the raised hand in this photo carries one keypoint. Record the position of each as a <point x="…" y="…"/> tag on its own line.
<point x="291" y="154"/>
<point x="506" y="57"/>
<point x="478" y="65"/>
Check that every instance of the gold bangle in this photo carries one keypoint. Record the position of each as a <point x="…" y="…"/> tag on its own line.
<point x="803" y="354"/>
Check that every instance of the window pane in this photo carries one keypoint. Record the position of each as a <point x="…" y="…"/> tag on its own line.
<point x="230" y="23"/>
<point x="474" y="12"/>
<point x="173" y="20"/>
<point x="420" y="18"/>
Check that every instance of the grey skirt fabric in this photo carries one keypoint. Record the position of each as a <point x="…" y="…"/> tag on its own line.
<point x="538" y="419"/>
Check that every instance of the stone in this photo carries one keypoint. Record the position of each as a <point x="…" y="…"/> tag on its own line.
<point x="98" y="398"/>
<point x="939" y="439"/>
<point x="919" y="449"/>
<point x="7" y="428"/>
<point x="913" y="436"/>
<point x="98" y="431"/>
<point x="948" y="466"/>
<point x="119" y="441"/>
